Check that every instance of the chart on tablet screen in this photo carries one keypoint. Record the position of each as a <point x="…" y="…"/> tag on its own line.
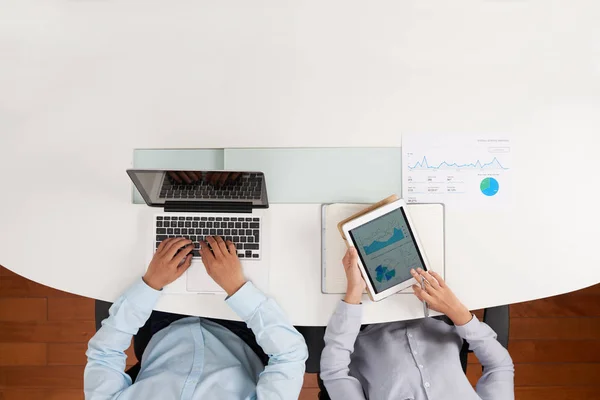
<point x="459" y="171"/>
<point x="387" y="249"/>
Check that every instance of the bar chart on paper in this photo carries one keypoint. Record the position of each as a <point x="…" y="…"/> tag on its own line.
<point x="463" y="172"/>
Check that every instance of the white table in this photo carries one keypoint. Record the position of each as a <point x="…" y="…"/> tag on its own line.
<point x="83" y="84"/>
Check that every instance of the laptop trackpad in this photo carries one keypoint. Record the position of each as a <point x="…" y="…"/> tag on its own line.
<point x="199" y="281"/>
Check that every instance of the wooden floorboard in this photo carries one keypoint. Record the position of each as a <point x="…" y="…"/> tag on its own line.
<point x="70" y="309"/>
<point x="555" y="343"/>
<point x="47" y="332"/>
<point x="578" y="328"/>
<point x="59" y="377"/>
<point x="13" y="354"/>
<point x="566" y="305"/>
<point x="15" y="309"/>
<point x="39" y="394"/>
<point x="558" y="393"/>
<point x="557" y="351"/>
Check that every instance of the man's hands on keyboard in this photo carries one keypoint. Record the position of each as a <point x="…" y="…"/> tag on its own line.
<point x="172" y="258"/>
<point x="222" y="263"/>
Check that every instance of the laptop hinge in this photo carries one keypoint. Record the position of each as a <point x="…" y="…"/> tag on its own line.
<point x="209" y="206"/>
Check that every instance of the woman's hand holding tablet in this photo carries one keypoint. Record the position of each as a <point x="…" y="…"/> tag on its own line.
<point x="387" y="247"/>
<point x="356" y="283"/>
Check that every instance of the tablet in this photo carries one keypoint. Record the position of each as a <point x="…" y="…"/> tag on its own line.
<point x="388" y="247"/>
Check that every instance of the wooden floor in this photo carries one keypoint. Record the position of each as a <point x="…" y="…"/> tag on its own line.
<point x="554" y="342"/>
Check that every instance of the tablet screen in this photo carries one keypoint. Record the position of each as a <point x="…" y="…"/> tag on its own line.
<point x="387" y="249"/>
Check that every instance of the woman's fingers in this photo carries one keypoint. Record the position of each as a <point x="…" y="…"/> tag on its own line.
<point x="422" y="294"/>
<point x="350" y="256"/>
<point x="346" y="259"/>
<point x="428" y="278"/>
<point x="419" y="278"/>
<point x="353" y="254"/>
<point x="438" y="278"/>
<point x="415" y="275"/>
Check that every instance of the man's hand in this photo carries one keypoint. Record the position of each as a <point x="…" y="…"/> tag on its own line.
<point x="439" y="297"/>
<point x="167" y="264"/>
<point x="187" y="177"/>
<point x="222" y="263"/>
<point x="356" y="283"/>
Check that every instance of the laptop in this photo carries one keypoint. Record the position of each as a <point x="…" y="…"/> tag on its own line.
<point x="197" y="204"/>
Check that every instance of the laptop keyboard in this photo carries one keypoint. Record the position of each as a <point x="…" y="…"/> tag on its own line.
<point x="247" y="186"/>
<point x="243" y="231"/>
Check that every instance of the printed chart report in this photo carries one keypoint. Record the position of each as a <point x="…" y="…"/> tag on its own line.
<point x="387" y="249"/>
<point x="461" y="172"/>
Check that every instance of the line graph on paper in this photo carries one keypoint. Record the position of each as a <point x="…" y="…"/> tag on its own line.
<point x="456" y="171"/>
<point x="478" y="164"/>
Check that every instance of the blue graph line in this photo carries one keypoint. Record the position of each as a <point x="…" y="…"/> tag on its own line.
<point x="377" y="245"/>
<point x="478" y="164"/>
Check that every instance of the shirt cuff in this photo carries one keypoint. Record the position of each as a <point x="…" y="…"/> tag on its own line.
<point x="470" y="328"/>
<point x="246" y="300"/>
<point x="142" y="296"/>
<point x="349" y="310"/>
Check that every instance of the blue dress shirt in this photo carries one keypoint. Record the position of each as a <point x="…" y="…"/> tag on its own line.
<point x="195" y="358"/>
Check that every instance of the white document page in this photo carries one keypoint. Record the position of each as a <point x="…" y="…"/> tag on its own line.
<point x="462" y="172"/>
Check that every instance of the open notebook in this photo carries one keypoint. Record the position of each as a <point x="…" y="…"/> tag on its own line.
<point x="429" y="224"/>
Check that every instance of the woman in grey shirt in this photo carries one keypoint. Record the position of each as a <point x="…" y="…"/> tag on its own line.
<point x="410" y="359"/>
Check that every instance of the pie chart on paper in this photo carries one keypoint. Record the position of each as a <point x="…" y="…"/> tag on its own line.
<point x="489" y="186"/>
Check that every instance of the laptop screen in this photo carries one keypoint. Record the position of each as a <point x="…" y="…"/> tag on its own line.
<point x="159" y="186"/>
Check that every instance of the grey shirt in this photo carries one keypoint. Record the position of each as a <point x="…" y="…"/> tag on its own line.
<point x="410" y="360"/>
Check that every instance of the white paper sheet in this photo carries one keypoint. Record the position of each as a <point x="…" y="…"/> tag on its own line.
<point x="465" y="172"/>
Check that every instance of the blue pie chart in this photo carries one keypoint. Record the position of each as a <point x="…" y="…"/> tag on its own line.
<point x="489" y="186"/>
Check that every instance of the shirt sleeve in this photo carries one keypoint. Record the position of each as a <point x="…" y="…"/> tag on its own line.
<point x="282" y="378"/>
<point x="104" y="375"/>
<point x="497" y="381"/>
<point x="340" y="335"/>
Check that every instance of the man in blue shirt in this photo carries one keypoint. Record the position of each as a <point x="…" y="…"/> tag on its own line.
<point x="196" y="358"/>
